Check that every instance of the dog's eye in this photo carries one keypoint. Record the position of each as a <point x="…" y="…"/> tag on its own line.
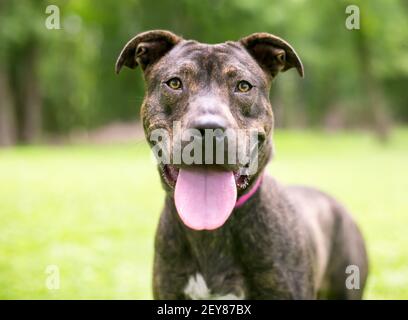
<point x="244" y="86"/>
<point x="174" y="83"/>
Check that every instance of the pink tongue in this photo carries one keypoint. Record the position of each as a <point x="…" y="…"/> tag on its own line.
<point x="205" y="198"/>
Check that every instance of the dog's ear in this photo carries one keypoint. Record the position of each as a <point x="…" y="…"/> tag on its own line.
<point x="272" y="53"/>
<point x="146" y="48"/>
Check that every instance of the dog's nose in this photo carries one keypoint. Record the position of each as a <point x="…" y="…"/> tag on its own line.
<point x="209" y="121"/>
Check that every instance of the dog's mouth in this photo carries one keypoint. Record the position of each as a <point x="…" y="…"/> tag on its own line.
<point x="170" y="174"/>
<point x="204" y="197"/>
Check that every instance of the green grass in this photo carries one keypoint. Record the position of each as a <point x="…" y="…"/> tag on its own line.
<point x="92" y="211"/>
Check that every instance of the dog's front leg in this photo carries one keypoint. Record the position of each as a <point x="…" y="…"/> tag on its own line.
<point x="172" y="260"/>
<point x="280" y="285"/>
<point x="169" y="278"/>
<point x="275" y="253"/>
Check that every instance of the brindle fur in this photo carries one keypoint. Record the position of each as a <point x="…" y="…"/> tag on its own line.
<point x="284" y="242"/>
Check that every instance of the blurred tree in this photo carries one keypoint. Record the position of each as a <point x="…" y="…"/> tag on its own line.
<point x="59" y="80"/>
<point x="7" y="121"/>
<point x="21" y="103"/>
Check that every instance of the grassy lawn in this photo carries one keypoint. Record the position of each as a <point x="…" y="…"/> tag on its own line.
<point x="92" y="211"/>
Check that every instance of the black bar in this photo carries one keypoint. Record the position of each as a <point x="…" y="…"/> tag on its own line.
<point x="174" y="310"/>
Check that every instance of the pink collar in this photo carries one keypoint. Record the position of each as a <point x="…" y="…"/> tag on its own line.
<point x="244" y="198"/>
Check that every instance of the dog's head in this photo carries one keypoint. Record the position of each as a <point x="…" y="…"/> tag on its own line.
<point x="200" y="97"/>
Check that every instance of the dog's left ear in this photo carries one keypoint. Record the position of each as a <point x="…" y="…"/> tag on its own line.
<point x="146" y="48"/>
<point x="272" y="53"/>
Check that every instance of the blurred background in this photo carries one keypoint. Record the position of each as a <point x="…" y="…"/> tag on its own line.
<point x="78" y="187"/>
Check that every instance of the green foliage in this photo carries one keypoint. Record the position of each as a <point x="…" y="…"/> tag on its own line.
<point x="93" y="210"/>
<point x="80" y="89"/>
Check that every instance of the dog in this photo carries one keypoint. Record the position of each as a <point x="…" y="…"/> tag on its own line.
<point x="222" y="234"/>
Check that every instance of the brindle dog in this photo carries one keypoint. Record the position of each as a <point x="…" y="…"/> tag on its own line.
<point x="283" y="242"/>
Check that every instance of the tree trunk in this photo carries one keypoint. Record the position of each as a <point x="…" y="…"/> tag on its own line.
<point x="7" y="120"/>
<point x="374" y="102"/>
<point x="31" y="104"/>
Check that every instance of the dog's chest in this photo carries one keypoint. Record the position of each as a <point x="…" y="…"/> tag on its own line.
<point x="218" y="272"/>
<point x="197" y="289"/>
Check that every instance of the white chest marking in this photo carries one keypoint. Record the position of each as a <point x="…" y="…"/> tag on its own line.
<point x="197" y="289"/>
